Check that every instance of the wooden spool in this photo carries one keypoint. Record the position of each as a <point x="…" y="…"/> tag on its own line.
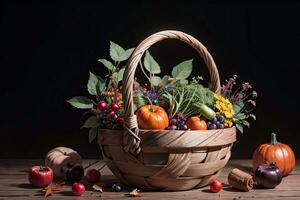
<point x="240" y="180"/>
<point x="65" y="163"/>
<point x="167" y="160"/>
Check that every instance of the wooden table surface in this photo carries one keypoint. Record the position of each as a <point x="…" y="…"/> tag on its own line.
<point x="14" y="185"/>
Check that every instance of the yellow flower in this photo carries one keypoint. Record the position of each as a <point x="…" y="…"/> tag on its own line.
<point x="228" y="123"/>
<point x="224" y="106"/>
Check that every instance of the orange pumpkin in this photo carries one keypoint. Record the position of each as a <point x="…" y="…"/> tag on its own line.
<point x="195" y="123"/>
<point x="152" y="117"/>
<point x="280" y="154"/>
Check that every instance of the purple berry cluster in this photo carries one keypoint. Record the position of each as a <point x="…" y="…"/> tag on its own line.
<point x="178" y="122"/>
<point x="216" y="123"/>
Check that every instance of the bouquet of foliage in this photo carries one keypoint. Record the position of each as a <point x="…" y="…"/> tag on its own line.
<point x="170" y="102"/>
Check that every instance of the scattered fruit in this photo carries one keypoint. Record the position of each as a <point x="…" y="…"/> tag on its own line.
<point x="93" y="175"/>
<point x="268" y="175"/>
<point x="78" y="189"/>
<point x="275" y="152"/>
<point x="216" y="186"/>
<point x="152" y="117"/>
<point x="195" y="123"/>
<point x="116" y="187"/>
<point x="102" y="105"/>
<point x="40" y="176"/>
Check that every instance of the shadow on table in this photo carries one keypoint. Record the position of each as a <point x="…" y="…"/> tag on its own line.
<point x="24" y="186"/>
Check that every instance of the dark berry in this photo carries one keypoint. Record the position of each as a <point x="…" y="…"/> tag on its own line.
<point x="214" y="120"/>
<point x="212" y="126"/>
<point x="172" y="127"/>
<point x="208" y="123"/>
<point x="114" y="107"/>
<point x="218" y="123"/>
<point x="111" y="115"/>
<point x="102" y="105"/>
<point x="220" y="126"/>
<point x="116" y="187"/>
<point x="173" y="122"/>
<point x="184" y="127"/>
<point x="220" y="118"/>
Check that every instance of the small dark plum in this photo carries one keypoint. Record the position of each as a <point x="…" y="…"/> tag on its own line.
<point x="214" y="120"/>
<point x="220" y="118"/>
<point x="212" y="127"/>
<point x="220" y="126"/>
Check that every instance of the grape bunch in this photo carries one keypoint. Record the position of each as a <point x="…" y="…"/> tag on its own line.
<point x="216" y="123"/>
<point x="178" y="122"/>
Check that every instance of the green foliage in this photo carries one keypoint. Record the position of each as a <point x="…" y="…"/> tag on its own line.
<point x="107" y="64"/>
<point x="183" y="70"/>
<point x="156" y="80"/>
<point x="239" y="127"/>
<point x="93" y="134"/>
<point x="187" y="99"/>
<point x="118" y="54"/>
<point x="96" y="85"/>
<point x="91" y="122"/>
<point x="81" y="102"/>
<point x="150" y="64"/>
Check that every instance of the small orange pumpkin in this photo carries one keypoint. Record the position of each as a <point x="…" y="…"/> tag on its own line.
<point x="152" y="117"/>
<point x="195" y="123"/>
<point x="280" y="154"/>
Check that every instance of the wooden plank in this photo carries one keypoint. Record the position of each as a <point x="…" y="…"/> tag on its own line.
<point x="14" y="185"/>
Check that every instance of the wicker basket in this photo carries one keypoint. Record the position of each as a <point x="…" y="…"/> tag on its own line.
<point x="167" y="160"/>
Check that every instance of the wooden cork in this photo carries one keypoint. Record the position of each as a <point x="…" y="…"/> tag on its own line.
<point x="240" y="180"/>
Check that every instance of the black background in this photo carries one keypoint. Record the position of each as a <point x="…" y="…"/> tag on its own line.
<point x="47" y="51"/>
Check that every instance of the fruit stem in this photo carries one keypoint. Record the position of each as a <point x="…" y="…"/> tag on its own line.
<point x="273" y="139"/>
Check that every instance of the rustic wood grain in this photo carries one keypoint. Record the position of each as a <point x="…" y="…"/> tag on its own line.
<point x="14" y="185"/>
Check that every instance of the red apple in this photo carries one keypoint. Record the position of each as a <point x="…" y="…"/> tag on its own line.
<point x="78" y="189"/>
<point x="93" y="175"/>
<point x="216" y="186"/>
<point x="40" y="176"/>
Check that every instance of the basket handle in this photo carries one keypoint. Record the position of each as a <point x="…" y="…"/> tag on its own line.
<point x="131" y="139"/>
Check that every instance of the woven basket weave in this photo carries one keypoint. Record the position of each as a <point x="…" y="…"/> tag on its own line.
<point x="167" y="160"/>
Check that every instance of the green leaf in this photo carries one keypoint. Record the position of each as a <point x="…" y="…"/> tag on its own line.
<point x="92" y="134"/>
<point x="150" y="64"/>
<point x="120" y="74"/>
<point x="81" y="102"/>
<point x="93" y="83"/>
<point x="156" y="80"/>
<point x="183" y="69"/>
<point x="101" y="87"/>
<point x="253" y="116"/>
<point x="246" y="123"/>
<point x="239" y="127"/>
<point x="238" y="106"/>
<point x="165" y="80"/>
<point x="126" y="54"/>
<point x="240" y="116"/>
<point x="107" y="64"/>
<point x="117" y="53"/>
<point x="183" y="82"/>
<point x="91" y="122"/>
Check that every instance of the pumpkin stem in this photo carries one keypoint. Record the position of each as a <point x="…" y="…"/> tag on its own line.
<point x="273" y="139"/>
